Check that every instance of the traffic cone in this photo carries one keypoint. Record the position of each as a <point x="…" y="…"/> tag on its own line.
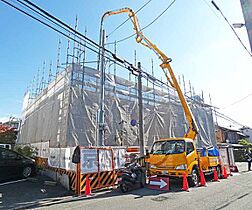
<point x="216" y="179"/>
<point x="225" y="176"/>
<point x="88" y="188"/>
<point x="202" y="179"/>
<point x="185" y="183"/>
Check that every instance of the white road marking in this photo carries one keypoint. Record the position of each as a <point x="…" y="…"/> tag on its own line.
<point x="12" y="182"/>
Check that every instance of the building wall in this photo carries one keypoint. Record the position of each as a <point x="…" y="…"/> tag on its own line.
<point x="248" y="132"/>
<point x="247" y="13"/>
<point x="219" y="136"/>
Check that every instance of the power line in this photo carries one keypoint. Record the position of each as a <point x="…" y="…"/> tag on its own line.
<point x="128" y="37"/>
<point x="42" y="22"/>
<point x="228" y="118"/>
<point x="211" y="8"/>
<point x="238" y="101"/>
<point x="119" y="61"/>
<point x="64" y="24"/>
<point x="47" y="18"/>
<point x="128" y="18"/>
<point x="215" y="5"/>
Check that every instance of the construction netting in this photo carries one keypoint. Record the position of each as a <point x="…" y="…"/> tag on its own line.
<point x="65" y="113"/>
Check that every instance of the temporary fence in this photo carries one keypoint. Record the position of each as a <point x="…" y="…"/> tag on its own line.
<point x="225" y="158"/>
<point x="227" y="155"/>
<point x="100" y="166"/>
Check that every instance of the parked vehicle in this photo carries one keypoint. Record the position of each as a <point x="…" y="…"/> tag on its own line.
<point x="13" y="164"/>
<point x="7" y="146"/>
<point x="132" y="176"/>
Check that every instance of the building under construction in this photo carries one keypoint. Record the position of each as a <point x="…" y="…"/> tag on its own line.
<point x="83" y="101"/>
<point x="65" y="113"/>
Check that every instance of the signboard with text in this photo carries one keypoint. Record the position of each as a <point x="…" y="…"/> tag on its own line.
<point x="89" y="163"/>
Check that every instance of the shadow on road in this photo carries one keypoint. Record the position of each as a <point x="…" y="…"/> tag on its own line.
<point x="30" y="192"/>
<point x="34" y="194"/>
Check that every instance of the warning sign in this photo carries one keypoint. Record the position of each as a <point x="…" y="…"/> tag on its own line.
<point x="89" y="161"/>
<point x="159" y="183"/>
<point x="105" y="160"/>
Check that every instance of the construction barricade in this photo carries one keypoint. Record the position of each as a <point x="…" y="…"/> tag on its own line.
<point x="77" y="164"/>
<point x="226" y="160"/>
<point x="100" y="166"/>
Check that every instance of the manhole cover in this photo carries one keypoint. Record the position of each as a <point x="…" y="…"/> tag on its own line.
<point x="159" y="198"/>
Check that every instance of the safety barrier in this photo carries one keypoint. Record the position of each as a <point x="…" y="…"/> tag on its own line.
<point x="42" y="163"/>
<point x="100" y="166"/>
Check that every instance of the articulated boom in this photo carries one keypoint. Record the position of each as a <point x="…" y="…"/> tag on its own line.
<point x="140" y="38"/>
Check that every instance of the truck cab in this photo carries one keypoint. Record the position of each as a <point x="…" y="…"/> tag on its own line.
<point x="173" y="157"/>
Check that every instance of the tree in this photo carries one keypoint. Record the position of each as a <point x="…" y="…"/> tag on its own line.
<point x="27" y="150"/>
<point x="7" y="135"/>
<point x="245" y="142"/>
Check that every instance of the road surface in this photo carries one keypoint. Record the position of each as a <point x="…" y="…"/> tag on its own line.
<point x="232" y="193"/>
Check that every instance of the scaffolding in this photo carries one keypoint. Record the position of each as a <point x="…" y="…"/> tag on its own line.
<point x="64" y="110"/>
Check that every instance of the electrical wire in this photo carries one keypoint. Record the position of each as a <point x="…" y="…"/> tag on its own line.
<point x="64" y="24"/>
<point x="66" y="35"/>
<point x="215" y="5"/>
<point x="125" y="64"/>
<point x="209" y="6"/>
<point x="128" y="18"/>
<point x="238" y="101"/>
<point x="128" y="37"/>
<point x="221" y="115"/>
<point x="54" y="22"/>
<point x="40" y="21"/>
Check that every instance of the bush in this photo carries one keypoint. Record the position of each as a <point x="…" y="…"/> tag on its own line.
<point x="26" y="150"/>
<point x="245" y="143"/>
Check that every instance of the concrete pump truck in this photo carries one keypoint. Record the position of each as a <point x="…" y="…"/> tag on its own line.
<point x="173" y="157"/>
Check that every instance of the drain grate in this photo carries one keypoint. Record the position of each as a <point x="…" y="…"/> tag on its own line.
<point x="160" y="198"/>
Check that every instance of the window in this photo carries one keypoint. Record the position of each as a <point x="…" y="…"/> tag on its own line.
<point x="189" y="147"/>
<point x="8" y="155"/>
<point x="168" y="147"/>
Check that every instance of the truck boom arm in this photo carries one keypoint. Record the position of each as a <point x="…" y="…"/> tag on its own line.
<point x="165" y="65"/>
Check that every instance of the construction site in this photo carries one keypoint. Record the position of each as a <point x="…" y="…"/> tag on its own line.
<point x="94" y="106"/>
<point x="97" y="113"/>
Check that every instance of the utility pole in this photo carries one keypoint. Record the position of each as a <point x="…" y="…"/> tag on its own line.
<point x="101" y="122"/>
<point x="140" y="105"/>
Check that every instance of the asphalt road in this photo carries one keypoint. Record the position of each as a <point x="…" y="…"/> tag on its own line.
<point x="232" y="193"/>
<point x="29" y="193"/>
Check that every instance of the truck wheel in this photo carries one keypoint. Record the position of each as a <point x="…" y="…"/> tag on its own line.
<point x="194" y="179"/>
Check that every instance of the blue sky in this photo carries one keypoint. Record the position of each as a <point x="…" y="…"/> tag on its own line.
<point x="192" y="33"/>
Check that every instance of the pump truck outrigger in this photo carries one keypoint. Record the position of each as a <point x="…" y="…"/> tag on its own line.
<point x="173" y="157"/>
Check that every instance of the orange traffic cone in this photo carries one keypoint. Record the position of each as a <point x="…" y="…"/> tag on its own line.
<point x="216" y="179"/>
<point x="202" y="179"/>
<point x="88" y="188"/>
<point x="225" y="176"/>
<point x="185" y="183"/>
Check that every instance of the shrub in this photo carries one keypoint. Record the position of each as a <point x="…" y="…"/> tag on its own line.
<point x="26" y="150"/>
